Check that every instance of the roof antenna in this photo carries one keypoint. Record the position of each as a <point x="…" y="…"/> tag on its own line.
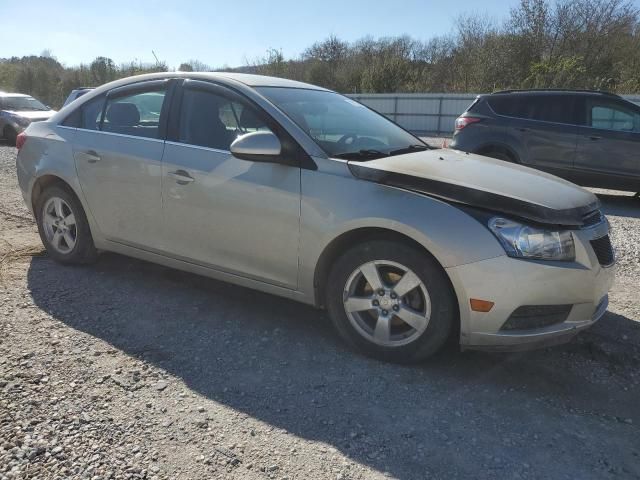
<point x="156" y="57"/>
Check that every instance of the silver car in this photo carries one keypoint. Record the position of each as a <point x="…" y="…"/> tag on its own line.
<point x="301" y="192"/>
<point x="17" y="111"/>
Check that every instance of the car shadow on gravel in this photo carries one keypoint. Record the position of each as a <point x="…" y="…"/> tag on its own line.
<point x="620" y="205"/>
<point x="281" y="363"/>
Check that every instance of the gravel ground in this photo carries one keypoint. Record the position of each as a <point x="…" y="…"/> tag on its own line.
<point x="125" y="369"/>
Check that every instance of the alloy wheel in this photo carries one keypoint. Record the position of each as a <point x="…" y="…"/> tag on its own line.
<point x="387" y="303"/>
<point x="59" y="224"/>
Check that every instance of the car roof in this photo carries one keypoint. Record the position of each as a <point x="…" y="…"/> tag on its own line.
<point x="555" y="91"/>
<point x="6" y="94"/>
<point x="247" y="79"/>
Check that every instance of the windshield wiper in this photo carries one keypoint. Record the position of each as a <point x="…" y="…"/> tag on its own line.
<point x="411" y="148"/>
<point x="366" y="153"/>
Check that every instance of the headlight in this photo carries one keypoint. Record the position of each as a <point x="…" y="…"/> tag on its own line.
<point x="524" y="241"/>
<point x="22" y="121"/>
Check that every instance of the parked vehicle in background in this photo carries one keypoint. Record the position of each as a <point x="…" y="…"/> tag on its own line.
<point x="17" y="111"/>
<point x="590" y="138"/>
<point x="76" y="93"/>
<point x="301" y="192"/>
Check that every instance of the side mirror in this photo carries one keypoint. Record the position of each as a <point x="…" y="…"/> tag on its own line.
<point x="261" y="146"/>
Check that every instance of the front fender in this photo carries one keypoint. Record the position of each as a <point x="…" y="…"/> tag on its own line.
<point x="334" y="203"/>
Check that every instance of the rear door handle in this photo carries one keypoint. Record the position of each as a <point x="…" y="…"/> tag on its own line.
<point x="181" y="177"/>
<point x="91" y="156"/>
<point x="522" y="129"/>
<point x="594" y="138"/>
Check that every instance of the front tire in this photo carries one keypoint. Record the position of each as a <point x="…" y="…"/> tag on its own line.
<point x="391" y="301"/>
<point x="10" y="135"/>
<point x="63" y="227"/>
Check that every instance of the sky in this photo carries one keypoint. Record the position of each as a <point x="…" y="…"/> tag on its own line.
<point x="218" y="33"/>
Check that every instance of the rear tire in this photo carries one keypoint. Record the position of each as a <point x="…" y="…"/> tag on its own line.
<point x="413" y="309"/>
<point x="10" y="135"/>
<point x="63" y="227"/>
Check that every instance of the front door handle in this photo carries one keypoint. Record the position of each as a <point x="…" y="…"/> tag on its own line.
<point x="522" y="129"/>
<point x="594" y="138"/>
<point x="91" y="156"/>
<point x="181" y="177"/>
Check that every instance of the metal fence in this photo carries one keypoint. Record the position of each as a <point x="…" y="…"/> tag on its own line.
<point x="426" y="113"/>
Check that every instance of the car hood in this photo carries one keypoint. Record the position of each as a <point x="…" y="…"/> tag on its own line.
<point x="33" y="114"/>
<point x="485" y="183"/>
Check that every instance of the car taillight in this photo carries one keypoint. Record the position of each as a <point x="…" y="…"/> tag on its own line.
<point x="20" y="140"/>
<point x="462" y="122"/>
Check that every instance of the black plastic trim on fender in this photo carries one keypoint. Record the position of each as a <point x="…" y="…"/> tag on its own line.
<point x="570" y="217"/>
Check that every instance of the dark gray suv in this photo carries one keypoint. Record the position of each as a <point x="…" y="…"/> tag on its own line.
<point x="590" y="138"/>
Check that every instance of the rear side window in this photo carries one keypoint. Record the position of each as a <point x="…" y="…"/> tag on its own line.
<point x="87" y="116"/>
<point x="137" y="114"/>
<point x="554" y="108"/>
<point x="508" y="105"/>
<point x="208" y="119"/>
<point x="91" y="114"/>
<point x="547" y="108"/>
<point x="612" y="116"/>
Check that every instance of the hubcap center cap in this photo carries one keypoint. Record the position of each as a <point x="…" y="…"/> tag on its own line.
<point x="386" y="302"/>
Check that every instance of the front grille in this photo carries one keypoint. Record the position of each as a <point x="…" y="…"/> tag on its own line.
<point x="591" y="219"/>
<point x="536" y="316"/>
<point x="603" y="250"/>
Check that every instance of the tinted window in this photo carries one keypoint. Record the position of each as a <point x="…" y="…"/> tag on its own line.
<point x="508" y="105"/>
<point x="137" y="114"/>
<point x="548" y="108"/>
<point x="553" y="108"/>
<point x="612" y="116"/>
<point x="211" y="120"/>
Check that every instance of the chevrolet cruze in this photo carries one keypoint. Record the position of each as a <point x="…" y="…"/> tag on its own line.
<point x="301" y="192"/>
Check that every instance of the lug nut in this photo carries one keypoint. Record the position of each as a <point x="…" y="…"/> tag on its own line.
<point x="396" y="308"/>
<point x="384" y="313"/>
<point x="393" y="295"/>
<point x="376" y="303"/>
<point x="381" y="292"/>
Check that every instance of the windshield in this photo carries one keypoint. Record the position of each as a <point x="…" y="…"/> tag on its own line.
<point x="22" y="104"/>
<point x="342" y="127"/>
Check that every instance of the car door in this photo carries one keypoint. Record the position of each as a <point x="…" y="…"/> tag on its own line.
<point x="234" y="215"/>
<point x="548" y="132"/>
<point x="118" y="155"/>
<point x="609" y="146"/>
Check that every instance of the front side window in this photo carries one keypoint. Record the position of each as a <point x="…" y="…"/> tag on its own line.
<point x="342" y="127"/>
<point x="137" y="114"/>
<point x="610" y="116"/>
<point x="212" y="120"/>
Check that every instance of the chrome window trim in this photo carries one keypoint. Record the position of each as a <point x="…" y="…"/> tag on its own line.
<point x="199" y="147"/>
<point x="67" y="127"/>
<point x="116" y="134"/>
<point x="531" y="119"/>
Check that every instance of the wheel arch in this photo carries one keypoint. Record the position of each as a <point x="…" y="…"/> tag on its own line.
<point x="43" y="182"/>
<point x="499" y="147"/>
<point x="345" y="240"/>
